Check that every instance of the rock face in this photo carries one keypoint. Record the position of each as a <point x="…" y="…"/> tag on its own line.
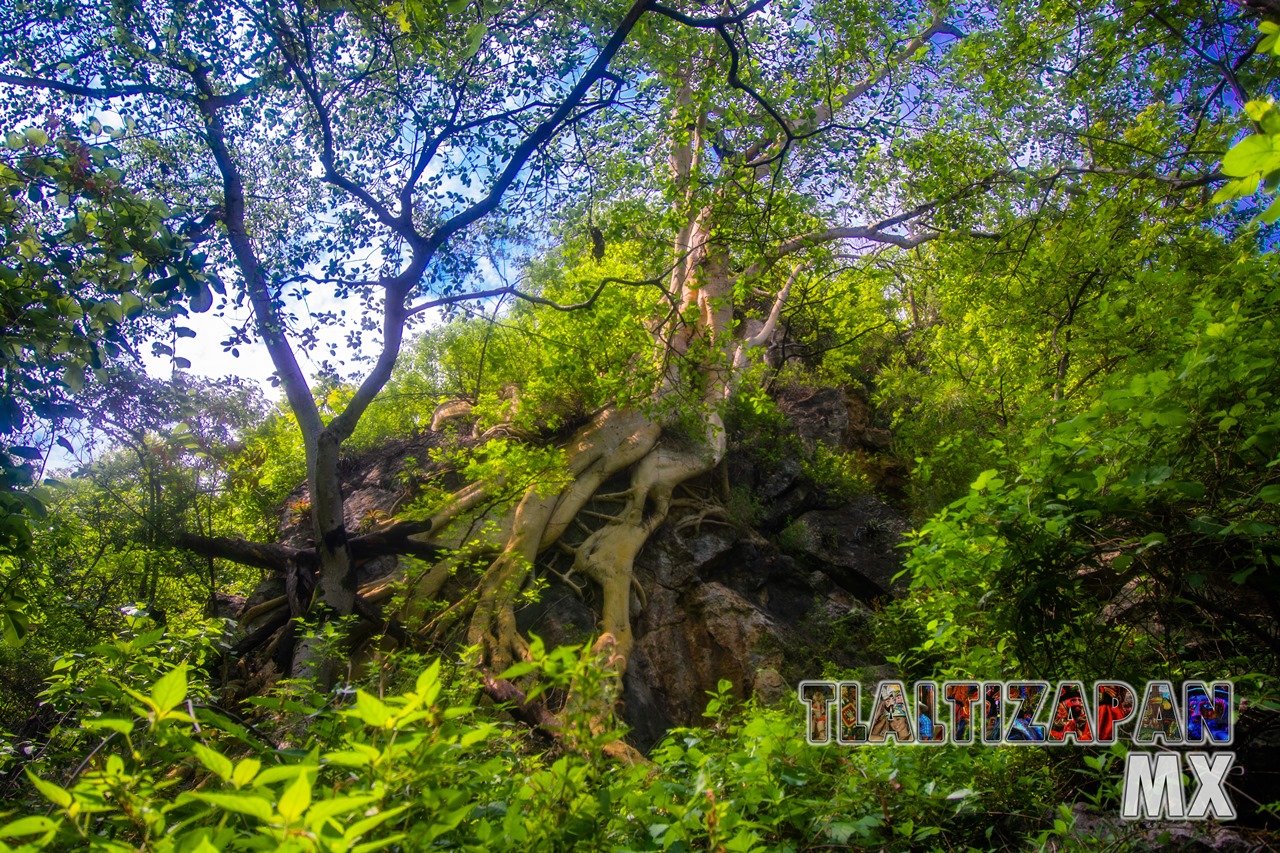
<point x="724" y="604"/>
<point x="851" y="542"/>
<point x="1187" y="836"/>
<point x="757" y="595"/>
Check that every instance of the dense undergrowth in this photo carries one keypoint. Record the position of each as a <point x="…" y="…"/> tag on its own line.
<point x="143" y="757"/>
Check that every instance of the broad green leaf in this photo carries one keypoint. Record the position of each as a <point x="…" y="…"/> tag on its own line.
<point x="295" y="799"/>
<point x="348" y="758"/>
<point x="372" y="710"/>
<point x="1272" y="213"/>
<point x="1251" y="155"/>
<point x="987" y="479"/>
<point x="213" y="760"/>
<point x="323" y="810"/>
<point x="114" y="724"/>
<point x="28" y="826"/>
<point x="380" y="844"/>
<point x="170" y="690"/>
<point x="55" y="794"/>
<point x="14" y="622"/>
<point x="240" y="803"/>
<point x="283" y="772"/>
<point x="1265" y="114"/>
<point x="130" y="304"/>
<point x="246" y="770"/>
<point x="360" y="827"/>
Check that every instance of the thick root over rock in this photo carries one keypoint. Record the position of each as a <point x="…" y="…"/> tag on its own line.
<point x="616" y="440"/>
<point x="613" y="441"/>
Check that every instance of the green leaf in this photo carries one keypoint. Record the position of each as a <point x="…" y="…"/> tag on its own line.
<point x="372" y="710"/>
<point x="114" y="724"/>
<point x="475" y="36"/>
<point x="348" y="758"/>
<point x="14" y="622"/>
<point x="130" y="304"/>
<point x="295" y="800"/>
<point x="518" y="669"/>
<point x="1272" y="213"/>
<point x="987" y="479"/>
<point x="245" y="804"/>
<point x="282" y="772"/>
<point x="373" y="821"/>
<point x="214" y="760"/>
<point x="1251" y="155"/>
<point x="324" y="810"/>
<point x="28" y="826"/>
<point x="1270" y="494"/>
<point x="1190" y="488"/>
<point x="245" y="770"/>
<point x="380" y="844"/>
<point x="53" y="793"/>
<point x="170" y="690"/>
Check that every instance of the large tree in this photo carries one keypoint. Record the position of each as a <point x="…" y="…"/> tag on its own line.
<point x="379" y="150"/>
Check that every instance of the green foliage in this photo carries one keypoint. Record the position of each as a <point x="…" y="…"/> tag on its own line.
<point x="82" y="262"/>
<point x="269" y="467"/>
<point x="417" y="766"/>
<point x="1157" y="481"/>
<point x="107" y="542"/>
<point x="1254" y="162"/>
<point x="1090" y="397"/>
<point x="763" y="431"/>
<point x="538" y="369"/>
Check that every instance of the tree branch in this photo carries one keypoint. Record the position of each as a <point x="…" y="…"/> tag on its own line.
<point x="542" y="133"/>
<point x="268" y="321"/>
<point x="709" y="23"/>
<point x="105" y="93"/>
<point x="510" y="290"/>
<point x="762" y="337"/>
<point x="756" y="157"/>
<point x="270" y="556"/>
<point x="328" y="157"/>
<point x="393" y="541"/>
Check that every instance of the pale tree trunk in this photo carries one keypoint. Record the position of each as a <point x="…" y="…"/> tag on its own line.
<point x="699" y="327"/>
<point x="620" y="439"/>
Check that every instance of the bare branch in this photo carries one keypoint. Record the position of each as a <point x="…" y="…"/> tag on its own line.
<point x="762" y="337"/>
<point x="511" y="290"/>
<point x="759" y="155"/>
<point x="710" y="23"/>
<point x="283" y="38"/>
<point x="266" y="318"/>
<point x="105" y="93"/>
<point x="542" y="133"/>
